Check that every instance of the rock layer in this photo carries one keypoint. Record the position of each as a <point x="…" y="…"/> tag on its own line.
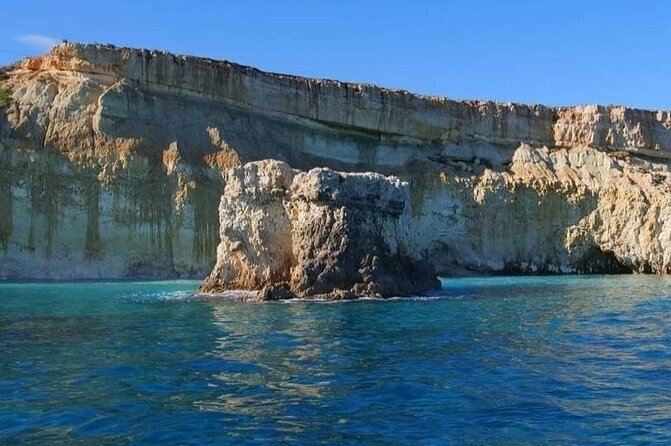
<point x="110" y="162"/>
<point x="321" y="232"/>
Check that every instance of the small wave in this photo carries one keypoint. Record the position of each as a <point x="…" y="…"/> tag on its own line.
<point x="231" y="295"/>
<point x="176" y="295"/>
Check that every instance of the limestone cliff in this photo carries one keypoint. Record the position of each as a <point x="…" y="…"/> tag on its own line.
<point x="110" y="162"/>
<point x="550" y="211"/>
<point x="334" y="234"/>
<point x="321" y="232"/>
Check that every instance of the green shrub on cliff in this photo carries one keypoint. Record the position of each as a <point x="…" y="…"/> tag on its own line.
<point x="5" y="95"/>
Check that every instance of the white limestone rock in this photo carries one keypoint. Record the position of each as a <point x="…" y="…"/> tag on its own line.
<point x="323" y="233"/>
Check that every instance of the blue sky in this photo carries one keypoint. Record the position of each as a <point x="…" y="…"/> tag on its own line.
<point x="557" y="53"/>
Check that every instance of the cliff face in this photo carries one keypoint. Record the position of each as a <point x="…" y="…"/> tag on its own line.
<point x="577" y="210"/>
<point x="110" y="162"/>
<point x="334" y="234"/>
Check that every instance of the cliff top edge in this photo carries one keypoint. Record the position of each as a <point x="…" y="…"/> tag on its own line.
<point x="95" y="56"/>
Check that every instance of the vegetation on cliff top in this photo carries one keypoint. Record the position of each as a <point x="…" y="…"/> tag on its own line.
<point x="5" y="96"/>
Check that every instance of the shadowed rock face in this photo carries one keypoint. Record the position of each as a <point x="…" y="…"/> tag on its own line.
<point x="110" y="162"/>
<point x="321" y="232"/>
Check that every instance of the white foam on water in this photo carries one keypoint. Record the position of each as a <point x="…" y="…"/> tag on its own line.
<point x="372" y="299"/>
<point x="232" y="295"/>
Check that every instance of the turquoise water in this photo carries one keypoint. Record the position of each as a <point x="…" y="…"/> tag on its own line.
<point x="560" y="360"/>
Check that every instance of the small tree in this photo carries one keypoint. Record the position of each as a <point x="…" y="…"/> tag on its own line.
<point x="5" y="96"/>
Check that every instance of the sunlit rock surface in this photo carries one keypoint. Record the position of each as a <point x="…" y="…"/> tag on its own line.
<point x="550" y="211"/>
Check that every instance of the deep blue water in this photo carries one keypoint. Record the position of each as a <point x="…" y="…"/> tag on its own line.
<point x="560" y="360"/>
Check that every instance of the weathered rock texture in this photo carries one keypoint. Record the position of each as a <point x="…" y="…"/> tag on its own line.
<point x="551" y="211"/>
<point x="321" y="232"/>
<point x="333" y="234"/>
<point x="110" y="162"/>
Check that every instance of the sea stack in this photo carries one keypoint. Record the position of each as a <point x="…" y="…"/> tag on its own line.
<point x="317" y="234"/>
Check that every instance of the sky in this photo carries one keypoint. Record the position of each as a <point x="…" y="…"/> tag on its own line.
<point x="565" y="52"/>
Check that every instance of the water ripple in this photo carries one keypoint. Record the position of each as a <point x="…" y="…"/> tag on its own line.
<point x="582" y="360"/>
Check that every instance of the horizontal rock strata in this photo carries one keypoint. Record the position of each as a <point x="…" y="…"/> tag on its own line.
<point x="111" y="160"/>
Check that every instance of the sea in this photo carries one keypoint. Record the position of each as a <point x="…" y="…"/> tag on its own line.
<point x="556" y="360"/>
